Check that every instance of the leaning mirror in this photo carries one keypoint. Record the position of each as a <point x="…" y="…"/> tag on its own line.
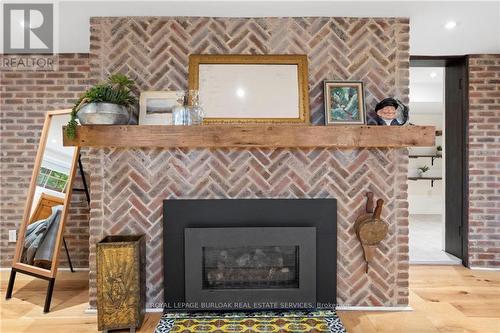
<point x="40" y="235"/>
<point x="251" y="88"/>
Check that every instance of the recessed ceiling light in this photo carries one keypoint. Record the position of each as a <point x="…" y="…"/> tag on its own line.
<point x="450" y="25"/>
<point x="240" y="92"/>
<point x="433" y="74"/>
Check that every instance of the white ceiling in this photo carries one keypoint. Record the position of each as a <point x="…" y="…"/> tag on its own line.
<point x="426" y="84"/>
<point x="477" y="31"/>
<point x="427" y="75"/>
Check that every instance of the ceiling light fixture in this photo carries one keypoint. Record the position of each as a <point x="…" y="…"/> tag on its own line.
<point x="240" y="92"/>
<point x="433" y="74"/>
<point x="450" y="25"/>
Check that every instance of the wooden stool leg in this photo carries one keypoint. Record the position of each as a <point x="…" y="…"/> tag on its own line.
<point x="48" y="298"/>
<point x="12" y="278"/>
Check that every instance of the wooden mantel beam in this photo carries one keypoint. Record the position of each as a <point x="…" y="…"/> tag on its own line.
<point x="246" y="136"/>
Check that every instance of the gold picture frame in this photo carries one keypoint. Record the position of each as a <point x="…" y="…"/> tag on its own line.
<point x="302" y="92"/>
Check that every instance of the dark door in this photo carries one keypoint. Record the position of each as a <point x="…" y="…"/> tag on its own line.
<point x="455" y="155"/>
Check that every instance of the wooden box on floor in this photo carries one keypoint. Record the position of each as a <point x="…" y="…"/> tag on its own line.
<point x="121" y="282"/>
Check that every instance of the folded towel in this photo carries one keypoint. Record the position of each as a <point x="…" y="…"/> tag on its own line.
<point x="36" y="237"/>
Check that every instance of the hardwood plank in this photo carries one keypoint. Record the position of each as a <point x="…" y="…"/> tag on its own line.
<point x="246" y="136"/>
<point x="436" y="296"/>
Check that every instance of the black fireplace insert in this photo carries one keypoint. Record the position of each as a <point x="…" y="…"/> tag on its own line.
<point x="246" y="254"/>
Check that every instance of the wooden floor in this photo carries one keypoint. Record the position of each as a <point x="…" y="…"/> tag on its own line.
<point x="444" y="299"/>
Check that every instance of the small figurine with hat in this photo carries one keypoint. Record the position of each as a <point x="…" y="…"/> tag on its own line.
<point x="391" y="112"/>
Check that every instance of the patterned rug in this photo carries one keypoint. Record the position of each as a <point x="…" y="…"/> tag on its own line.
<point x="256" y="322"/>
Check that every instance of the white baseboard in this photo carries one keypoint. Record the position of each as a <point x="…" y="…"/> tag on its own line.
<point x="437" y="263"/>
<point x="154" y="310"/>
<point x="494" y="269"/>
<point x="373" y="308"/>
<point x="90" y="310"/>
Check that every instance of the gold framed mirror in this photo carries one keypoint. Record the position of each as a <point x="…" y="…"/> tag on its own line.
<point x="251" y="88"/>
<point x="41" y="232"/>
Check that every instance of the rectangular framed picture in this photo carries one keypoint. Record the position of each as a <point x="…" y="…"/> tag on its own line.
<point x="344" y="102"/>
<point x="156" y="106"/>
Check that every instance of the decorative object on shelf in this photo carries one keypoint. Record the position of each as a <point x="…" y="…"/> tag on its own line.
<point x="121" y="282"/>
<point x="251" y="88"/>
<point x="370" y="228"/>
<point x="106" y="103"/>
<point x="391" y="112"/>
<point x="41" y="232"/>
<point x="439" y="151"/>
<point x="344" y="102"/>
<point x="190" y="112"/>
<point x="195" y="109"/>
<point x="422" y="170"/>
<point x="156" y="107"/>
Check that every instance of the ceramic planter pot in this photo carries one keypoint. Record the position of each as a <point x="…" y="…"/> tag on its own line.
<point x="103" y="114"/>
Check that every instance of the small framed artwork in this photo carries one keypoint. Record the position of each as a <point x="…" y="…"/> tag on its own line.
<point x="344" y="102"/>
<point x="156" y="106"/>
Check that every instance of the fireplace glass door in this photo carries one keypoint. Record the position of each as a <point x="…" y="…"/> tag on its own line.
<point x="229" y="266"/>
<point x="250" y="267"/>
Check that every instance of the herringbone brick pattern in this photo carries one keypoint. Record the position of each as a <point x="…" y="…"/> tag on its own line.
<point x="155" y="51"/>
<point x="129" y="185"/>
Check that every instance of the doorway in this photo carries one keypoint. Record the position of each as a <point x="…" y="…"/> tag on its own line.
<point x="437" y="192"/>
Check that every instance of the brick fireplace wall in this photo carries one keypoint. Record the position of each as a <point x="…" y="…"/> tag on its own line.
<point x="484" y="160"/>
<point x="25" y="98"/>
<point x="128" y="185"/>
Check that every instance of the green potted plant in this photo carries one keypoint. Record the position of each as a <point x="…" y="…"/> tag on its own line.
<point x="439" y="150"/>
<point x="106" y="103"/>
<point x="422" y="170"/>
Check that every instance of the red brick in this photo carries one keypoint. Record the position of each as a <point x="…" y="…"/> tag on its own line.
<point x="28" y="107"/>
<point x="484" y="160"/>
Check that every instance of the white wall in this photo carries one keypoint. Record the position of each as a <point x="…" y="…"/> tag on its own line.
<point x="426" y="108"/>
<point x="477" y="30"/>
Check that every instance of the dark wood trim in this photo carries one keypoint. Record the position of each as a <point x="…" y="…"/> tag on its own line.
<point x="432" y="61"/>
<point x="465" y="168"/>
<point x="444" y="61"/>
